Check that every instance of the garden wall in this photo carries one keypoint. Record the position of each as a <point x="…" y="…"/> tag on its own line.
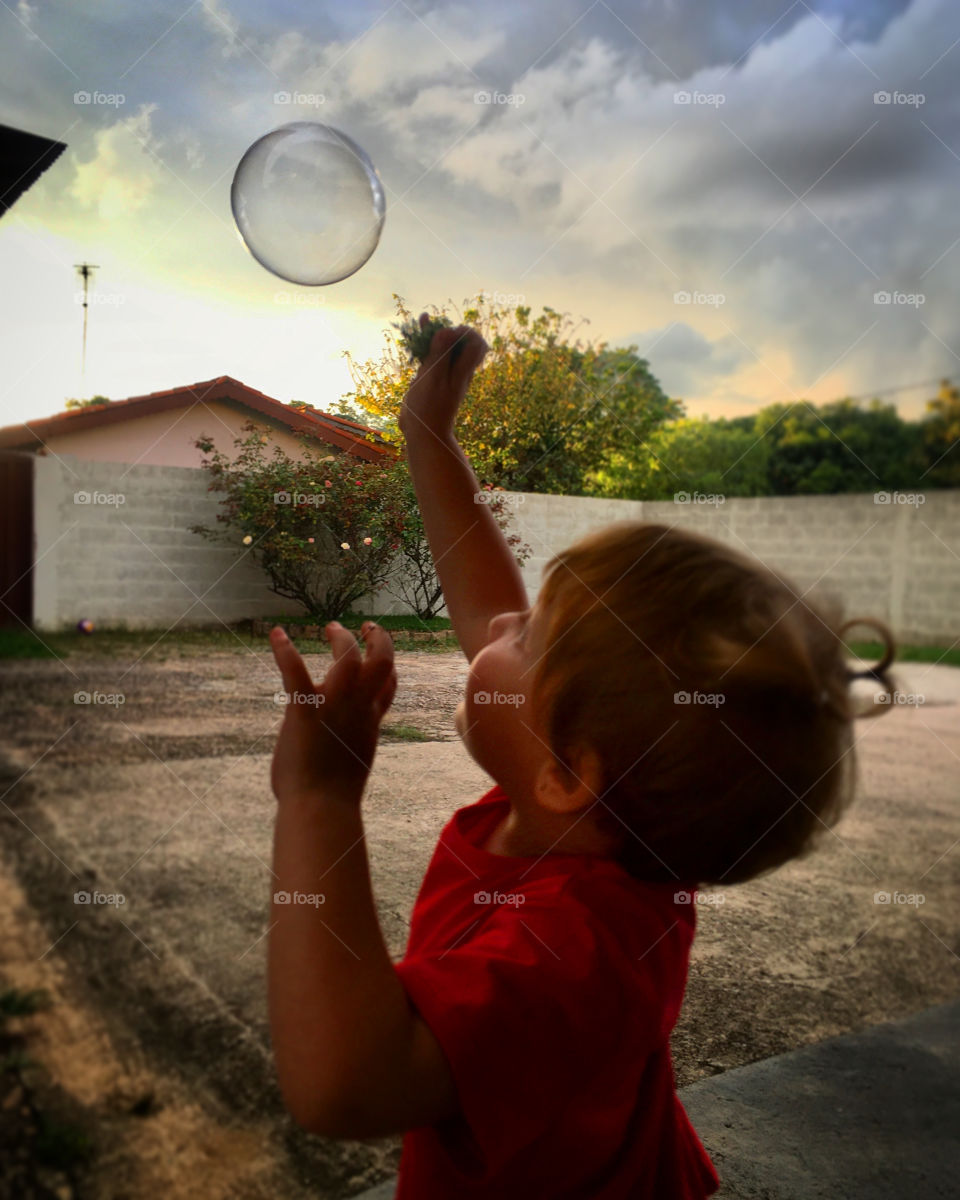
<point x="134" y="562"/>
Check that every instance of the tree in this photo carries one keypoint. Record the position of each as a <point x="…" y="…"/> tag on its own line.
<point x="329" y="530"/>
<point x="840" y="447"/>
<point x="691" y="455"/>
<point x="941" y="438"/>
<point x="325" y="530"/>
<point x="415" y="581"/>
<point x="544" y="413"/>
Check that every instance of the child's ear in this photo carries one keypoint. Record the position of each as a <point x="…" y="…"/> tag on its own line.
<point x="568" y="789"/>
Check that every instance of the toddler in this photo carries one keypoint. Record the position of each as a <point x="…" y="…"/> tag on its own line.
<point x="668" y="714"/>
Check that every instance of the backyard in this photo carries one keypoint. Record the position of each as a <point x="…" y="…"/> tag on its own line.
<point x="155" y="1040"/>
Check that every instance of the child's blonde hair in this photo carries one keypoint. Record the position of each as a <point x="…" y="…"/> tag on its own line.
<point x="711" y="792"/>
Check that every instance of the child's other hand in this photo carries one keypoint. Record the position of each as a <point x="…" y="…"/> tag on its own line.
<point x="329" y="733"/>
<point x="438" y="389"/>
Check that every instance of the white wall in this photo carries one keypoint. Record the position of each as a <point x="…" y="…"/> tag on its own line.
<point x="136" y="563"/>
<point x="894" y="561"/>
<point x="167" y="438"/>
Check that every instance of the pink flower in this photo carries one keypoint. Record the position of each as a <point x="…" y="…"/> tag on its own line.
<point x="310" y="540"/>
<point x="368" y="541"/>
<point x="327" y="483"/>
<point x="344" y="545"/>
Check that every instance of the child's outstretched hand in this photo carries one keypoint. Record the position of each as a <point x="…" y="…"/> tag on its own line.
<point x="329" y="733"/>
<point x="438" y="389"/>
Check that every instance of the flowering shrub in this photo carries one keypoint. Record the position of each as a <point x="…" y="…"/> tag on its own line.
<point x="326" y="530"/>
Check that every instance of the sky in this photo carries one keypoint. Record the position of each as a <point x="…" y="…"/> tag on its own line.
<point x="722" y="186"/>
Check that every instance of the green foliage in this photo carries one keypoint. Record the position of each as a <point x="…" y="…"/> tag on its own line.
<point x="325" y="529"/>
<point x="691" y="455"/>
<point x="941" y="438"/>
<point x="93" y="402"/>
<point x="415" y="581"/>
<point x="417" y="339"/>
<point x="793" y="449"/>
<point x="840" y="447"/>
<point x="542" y="412"/>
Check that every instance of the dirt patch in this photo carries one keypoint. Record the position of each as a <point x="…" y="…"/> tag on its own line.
<point x="148" y="1133"/>
<point x="165" y="796"/>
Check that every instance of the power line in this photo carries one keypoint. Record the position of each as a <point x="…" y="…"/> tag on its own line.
<point x="905" y="387"/>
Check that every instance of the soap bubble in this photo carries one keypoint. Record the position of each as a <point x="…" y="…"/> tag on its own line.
<point x="308" y="203"/>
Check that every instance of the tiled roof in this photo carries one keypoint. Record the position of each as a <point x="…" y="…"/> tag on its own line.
<point x="334" y="429"/>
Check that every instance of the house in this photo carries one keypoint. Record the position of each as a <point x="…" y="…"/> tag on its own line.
<point x="23" y="159"/>
<point x="132" y="558"/>
<point x="161" y="428"/>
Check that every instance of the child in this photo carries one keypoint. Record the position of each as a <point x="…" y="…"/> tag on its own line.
<point x="669" y="713"/>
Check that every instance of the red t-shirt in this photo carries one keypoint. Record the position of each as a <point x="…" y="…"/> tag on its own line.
<point x="552" y="986"/>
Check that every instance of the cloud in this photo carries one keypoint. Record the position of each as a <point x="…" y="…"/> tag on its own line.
<point x="684" y="360"/>
<point x="596" y="193"/>
<point x="220" y="21"/>
<point x="121" y="177"/>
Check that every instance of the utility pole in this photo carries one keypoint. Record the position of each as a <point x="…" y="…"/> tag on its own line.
<point x="86" y="270"/>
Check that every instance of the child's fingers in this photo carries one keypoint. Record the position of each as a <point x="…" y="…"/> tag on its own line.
<point x="296" y="677"/>
<point x="378" y="663"/>
<point x="346" y="661"/>
<point x="385" y="698"/>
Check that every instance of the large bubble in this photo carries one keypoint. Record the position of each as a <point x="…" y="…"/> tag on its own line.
<point x="308" y="203"/>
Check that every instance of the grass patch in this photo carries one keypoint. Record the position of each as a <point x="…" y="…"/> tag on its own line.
<point x="404" y="733"/>
<point x="352" y="620"/>
<point x="871" y="652"/>
<point x="159" y="644"/>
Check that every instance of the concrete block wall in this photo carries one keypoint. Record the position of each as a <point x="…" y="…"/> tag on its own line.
<point x="898" y="562"/>
<point x="135" y="562"/>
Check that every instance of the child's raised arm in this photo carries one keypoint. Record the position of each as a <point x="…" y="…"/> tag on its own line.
<point x="477" y="571"/>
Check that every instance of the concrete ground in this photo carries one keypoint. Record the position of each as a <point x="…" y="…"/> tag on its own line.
<point x="867" y="1116"/>
<point x="166" y="799"/>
